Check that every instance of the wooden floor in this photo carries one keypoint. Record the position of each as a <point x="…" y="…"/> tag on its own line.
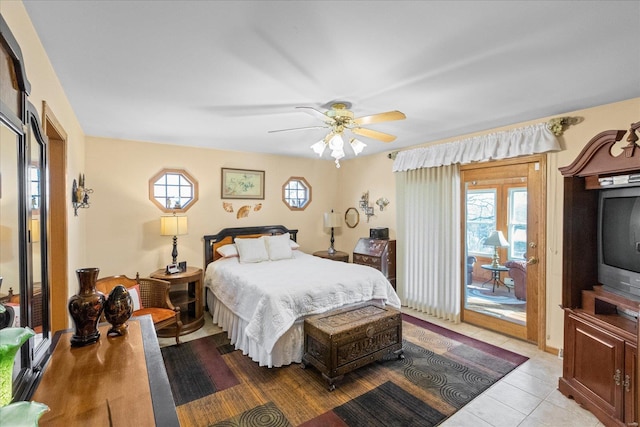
<point x="301" y="394"/>
<point x="528" y="396"/>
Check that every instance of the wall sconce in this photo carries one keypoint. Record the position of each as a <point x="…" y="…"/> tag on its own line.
<point x="364" y="205"/>
<point x="79" y="195"/>
<point x="382" y="202"/>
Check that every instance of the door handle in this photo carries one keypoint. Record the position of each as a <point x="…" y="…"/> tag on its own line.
<point x="532" y="260"/>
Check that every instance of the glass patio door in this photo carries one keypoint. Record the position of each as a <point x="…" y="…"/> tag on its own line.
<point x="501" y="228"/>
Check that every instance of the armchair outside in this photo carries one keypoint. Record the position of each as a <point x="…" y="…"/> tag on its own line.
<point x="518" y="272"/>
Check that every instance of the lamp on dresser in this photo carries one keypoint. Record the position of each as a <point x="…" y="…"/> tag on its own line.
<point x="332" y="220"/>
<point x="173" y="225"/>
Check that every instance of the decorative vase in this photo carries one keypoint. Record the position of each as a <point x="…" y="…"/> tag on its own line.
<point x="117" y="310"/>
<point x="86" y="307"/>
<point x="22" y="414"/>
<point x="11" y="339"/>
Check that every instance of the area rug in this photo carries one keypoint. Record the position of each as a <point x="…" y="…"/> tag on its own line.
<point x="214" y="385"/>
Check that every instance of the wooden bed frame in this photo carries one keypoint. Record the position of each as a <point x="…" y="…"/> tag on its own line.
<point x="228" y="235"/>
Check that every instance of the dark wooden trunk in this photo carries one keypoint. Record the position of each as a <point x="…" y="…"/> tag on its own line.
<point x="339" y="341"/>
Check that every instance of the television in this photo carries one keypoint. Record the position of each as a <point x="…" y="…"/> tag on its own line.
<point x="619" y="241"/>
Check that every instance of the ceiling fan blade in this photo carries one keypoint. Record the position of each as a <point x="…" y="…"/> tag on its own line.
<point x="317" y="114"/>
<point x="381" y="117"/>
<point x="369" y="133"/>
<point x="304" y="128"/>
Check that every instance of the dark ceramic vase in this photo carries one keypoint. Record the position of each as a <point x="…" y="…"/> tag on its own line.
<point x="86" y="307"/>
<point x="117" y="310"/>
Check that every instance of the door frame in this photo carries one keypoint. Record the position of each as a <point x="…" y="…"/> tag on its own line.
<point x="537" y="176"/>
<point x="58" y="253"/>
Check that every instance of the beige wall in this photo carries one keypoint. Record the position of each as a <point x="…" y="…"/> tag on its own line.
<point x="123" y="225"/>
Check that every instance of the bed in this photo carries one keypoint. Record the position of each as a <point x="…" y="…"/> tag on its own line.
<point x="262" y="303"/>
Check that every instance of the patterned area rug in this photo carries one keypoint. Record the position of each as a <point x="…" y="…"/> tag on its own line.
<point x="214" y="385"/>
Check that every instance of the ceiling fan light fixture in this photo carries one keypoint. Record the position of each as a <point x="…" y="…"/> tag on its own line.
<point x="337" y="154"/>
<point x="319" y="147"/>
<point x="338" y="119"/>
<point x="357" y="146"/>
<point x="336" y="142"/>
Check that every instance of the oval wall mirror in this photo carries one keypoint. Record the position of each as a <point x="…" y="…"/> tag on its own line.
<point x="351" y="217"/>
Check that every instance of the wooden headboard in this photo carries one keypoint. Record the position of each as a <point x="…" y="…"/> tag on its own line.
<point x="228" y="235"/>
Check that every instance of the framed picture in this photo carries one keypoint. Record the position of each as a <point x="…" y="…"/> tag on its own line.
<point x="242" y="184"/>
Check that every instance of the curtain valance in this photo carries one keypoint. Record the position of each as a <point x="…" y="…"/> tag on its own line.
<point x="499" y="145"/>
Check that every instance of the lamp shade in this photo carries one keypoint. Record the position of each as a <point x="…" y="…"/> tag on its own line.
<point x="357" y="146"/>
<point x="331" y="220"/>
<point x="173" y="225"/>
<point x="35" y="230"/>
<point x="319" y="147"/>
<point x="496" y="238"/>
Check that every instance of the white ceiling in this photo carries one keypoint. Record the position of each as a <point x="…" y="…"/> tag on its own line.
<point x="221" y="74"/>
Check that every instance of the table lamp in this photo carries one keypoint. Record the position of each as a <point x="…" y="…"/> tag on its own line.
<point x="331" y="220"/>
<point x="173" y="225"/>
<point x="497" y="240"/>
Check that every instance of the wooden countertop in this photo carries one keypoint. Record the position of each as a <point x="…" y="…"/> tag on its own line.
<point x="117" y="381"/>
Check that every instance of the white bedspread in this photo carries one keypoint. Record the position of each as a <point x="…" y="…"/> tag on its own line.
<point x="271" y="295"/>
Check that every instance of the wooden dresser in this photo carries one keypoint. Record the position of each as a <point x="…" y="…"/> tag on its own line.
<point x="117" y="381"/>
<point x="379" y="254"/>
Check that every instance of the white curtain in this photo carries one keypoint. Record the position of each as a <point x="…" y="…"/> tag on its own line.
<point x="499" y="145"/>
<point x="428" y="192"/>
<point x="429" y="240"/>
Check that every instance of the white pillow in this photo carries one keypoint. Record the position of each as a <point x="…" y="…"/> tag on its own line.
<point x="227" y="251"/>
<point x="293" y="244"/>
<point x="278" y="247"/>
<point x="252" y="250"/>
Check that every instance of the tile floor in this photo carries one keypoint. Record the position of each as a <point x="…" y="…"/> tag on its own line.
<point x="526" y="397"/>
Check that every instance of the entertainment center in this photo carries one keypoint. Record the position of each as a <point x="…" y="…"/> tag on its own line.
<point x="600" y="279"/>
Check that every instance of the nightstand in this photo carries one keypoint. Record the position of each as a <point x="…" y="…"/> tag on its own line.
<point x="186" y="293"/>
<point x="338" y="256"/>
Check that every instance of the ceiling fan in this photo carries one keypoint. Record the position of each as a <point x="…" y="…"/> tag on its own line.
<point x="339" y="119"/>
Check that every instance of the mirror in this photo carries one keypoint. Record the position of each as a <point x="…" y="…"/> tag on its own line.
<point x="352" y="217"/>
<point x="9" y="231"/>
<point x="39" y="319"/>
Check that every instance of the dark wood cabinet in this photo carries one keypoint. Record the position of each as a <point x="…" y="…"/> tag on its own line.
<point x="600" y="365"/>
<point x="593" y="361"/>
<point x="379" y="254"/>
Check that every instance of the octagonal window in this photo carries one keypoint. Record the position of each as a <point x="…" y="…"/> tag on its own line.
<point x="296" y="193"/>
<point x="173" y="190"/>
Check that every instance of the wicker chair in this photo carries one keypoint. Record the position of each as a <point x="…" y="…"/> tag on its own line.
<point x="154" y="296"/>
